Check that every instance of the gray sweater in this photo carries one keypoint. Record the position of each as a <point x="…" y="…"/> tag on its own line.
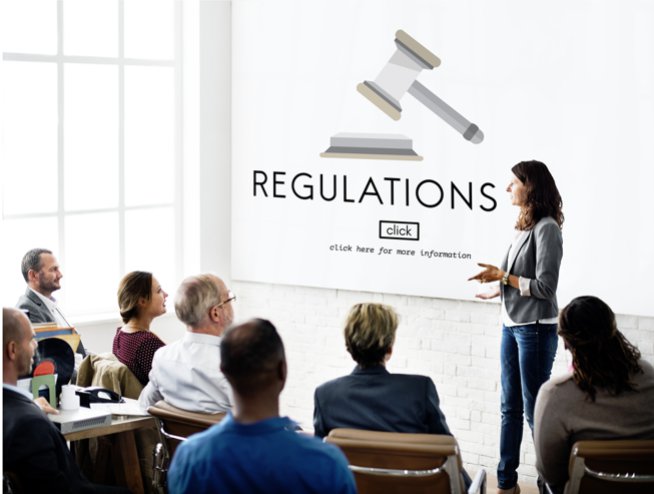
<point x="564" y="415"/>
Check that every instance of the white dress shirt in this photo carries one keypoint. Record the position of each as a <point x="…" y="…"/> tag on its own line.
<point x="18" y="390"/>
<point x="187" y="375"/>
<point x="51" y="304"/>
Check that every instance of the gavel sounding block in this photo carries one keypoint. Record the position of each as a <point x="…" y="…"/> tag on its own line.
<point x="371" y="146"/>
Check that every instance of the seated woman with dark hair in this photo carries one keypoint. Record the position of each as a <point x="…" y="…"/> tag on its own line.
<point x="370" y="397"/>
<point x="609" y="393"/>
<point x="140" y="299"/>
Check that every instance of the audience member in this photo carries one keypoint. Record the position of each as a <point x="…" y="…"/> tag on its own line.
<point x="255" y="450"/>
<point x="372" y="398"/>
<point x="186" y="373"/>
<point x="36" y="457"/>
<point x="140" y="300"/>
<point x="607" y="395"/>
<point x="43" y="277"/>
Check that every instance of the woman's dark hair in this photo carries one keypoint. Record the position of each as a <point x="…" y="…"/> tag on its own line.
<point x="542" y="197"/>
<point x="133" y="287"/>
<point x="601" y="355"/>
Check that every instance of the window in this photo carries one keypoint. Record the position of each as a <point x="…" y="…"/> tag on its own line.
<point x="91" y="150"/>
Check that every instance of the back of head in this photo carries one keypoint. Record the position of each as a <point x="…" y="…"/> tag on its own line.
<point x="602" y="356"/>
<point x="17" y="358"/>
<point x="250" y="357"/>
<point x="196" y="296"/>
<point x="133" y="287"/>
<point x="370" y="333"/>
<point x="11" y="326"/>
<point x="32" y="260"/>
<point x="543" y="198"/>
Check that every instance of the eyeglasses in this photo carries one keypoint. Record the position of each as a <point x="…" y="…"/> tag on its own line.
<point x="230" y="298"/>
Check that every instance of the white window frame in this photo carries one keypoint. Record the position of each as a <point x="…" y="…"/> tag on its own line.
<point x="120" y="61"/>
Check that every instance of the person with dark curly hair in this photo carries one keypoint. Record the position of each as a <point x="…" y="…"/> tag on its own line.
<point x="528" y="276"/>
<point x="608" y="394"/>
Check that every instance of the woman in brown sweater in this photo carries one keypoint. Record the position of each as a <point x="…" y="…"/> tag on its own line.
<point x="609" y="393"/>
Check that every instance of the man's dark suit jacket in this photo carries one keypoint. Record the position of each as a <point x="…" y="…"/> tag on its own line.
<point x="35" y="451"/>
<point x="38" y="313"/>
<point x="374" y="399"/>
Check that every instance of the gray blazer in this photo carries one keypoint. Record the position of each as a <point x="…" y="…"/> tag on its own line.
<point x="37" y="312"/>
<point x="538" y="258"/>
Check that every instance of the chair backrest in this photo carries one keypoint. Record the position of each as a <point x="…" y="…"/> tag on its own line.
<point x="392" y="462"/>
<point x="105" y="370"/>
<point x="178" y="424"/>
<point x="175" y="426"/>
<point x="624" y="466"/>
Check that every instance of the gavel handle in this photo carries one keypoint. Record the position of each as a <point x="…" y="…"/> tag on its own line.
<point x="464" y="127"/>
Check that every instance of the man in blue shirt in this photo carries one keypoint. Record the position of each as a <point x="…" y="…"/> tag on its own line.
<point x="254" y="450"/>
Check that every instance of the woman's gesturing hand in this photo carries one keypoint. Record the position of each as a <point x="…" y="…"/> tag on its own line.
<point x="489" y="274"/>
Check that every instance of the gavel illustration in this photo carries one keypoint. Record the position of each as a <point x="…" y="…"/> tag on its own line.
<point x="399" y="76"/>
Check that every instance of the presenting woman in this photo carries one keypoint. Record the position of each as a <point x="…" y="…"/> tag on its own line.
<point x="528" y="278"/>
<point x="140" y="299"/>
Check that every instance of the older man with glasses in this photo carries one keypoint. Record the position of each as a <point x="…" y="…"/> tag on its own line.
<point x="186" y="373"/>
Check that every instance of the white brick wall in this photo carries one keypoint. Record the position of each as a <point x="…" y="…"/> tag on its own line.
<point x="454" y="342"/>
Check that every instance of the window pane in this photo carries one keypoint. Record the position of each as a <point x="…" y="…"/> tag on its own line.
<point x="30" y="26"/>
<point x="19" y="236"/>
<point x="90" y="136"/>
<point x="92" y="263"/>
<point x="149" y="29"/>
<point x="149" y="136"/>
<point x="150" y="243"/>
<point x="91" y="27"/>
<point x="29" y="127"/>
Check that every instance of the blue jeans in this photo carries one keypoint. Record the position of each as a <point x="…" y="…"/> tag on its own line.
<point x="527" y="354"/>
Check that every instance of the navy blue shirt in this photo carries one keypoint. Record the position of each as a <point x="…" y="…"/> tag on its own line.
<point x="265" y="457"/>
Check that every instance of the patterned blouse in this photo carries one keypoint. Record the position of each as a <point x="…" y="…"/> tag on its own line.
<point x="136" y="351"/>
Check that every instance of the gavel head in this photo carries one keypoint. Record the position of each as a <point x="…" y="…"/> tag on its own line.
<point x="409" y="59"/>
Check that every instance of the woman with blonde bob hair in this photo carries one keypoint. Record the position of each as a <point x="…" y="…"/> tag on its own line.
<point x="370" y="397"/>
<point x="370" y="333"/>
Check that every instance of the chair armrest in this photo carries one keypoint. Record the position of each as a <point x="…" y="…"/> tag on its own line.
<point x="478" y="483"/>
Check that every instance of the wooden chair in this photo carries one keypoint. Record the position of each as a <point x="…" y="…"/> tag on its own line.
<point x="599" y="467"/>
<point x="175" y="426"/>
<point x="391" y="462"/>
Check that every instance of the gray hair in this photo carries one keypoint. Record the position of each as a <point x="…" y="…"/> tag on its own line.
<point x="32" y="260"/>
<point x="195" y="296"/>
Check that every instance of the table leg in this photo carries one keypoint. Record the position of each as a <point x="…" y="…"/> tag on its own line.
<point x="126" y="462"/>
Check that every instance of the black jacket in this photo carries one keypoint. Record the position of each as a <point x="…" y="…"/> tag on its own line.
<point x="374" y="399"/>
<point x="35" y="451"/>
